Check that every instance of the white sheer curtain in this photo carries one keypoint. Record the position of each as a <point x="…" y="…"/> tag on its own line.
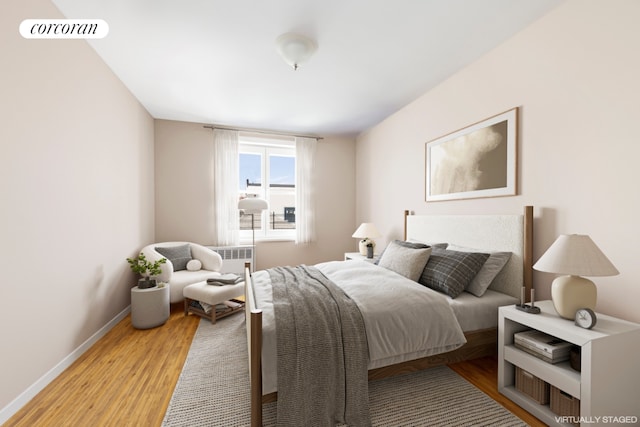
<point x="305" y="212"/>
<point x="225" y="187"/>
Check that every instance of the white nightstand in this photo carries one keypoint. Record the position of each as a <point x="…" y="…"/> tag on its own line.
<point x="607" y="382"/>
<point x="358" y="256"/>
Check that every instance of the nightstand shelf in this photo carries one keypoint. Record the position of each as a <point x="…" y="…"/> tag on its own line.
<point x="609" y="375"/>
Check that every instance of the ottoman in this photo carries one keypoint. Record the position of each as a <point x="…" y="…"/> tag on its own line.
<point x="222" y="300"/>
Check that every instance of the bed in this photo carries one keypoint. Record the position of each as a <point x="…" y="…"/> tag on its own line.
<point x="476" y="316"/>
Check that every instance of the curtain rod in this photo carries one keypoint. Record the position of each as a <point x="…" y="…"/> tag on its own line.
<point x="212" y="127"/>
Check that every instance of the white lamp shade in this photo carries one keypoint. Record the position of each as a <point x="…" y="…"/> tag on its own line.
<point x="252" y="205"/>
<point x="295" y="49"/>
<point x="366" y="230"/>
<point x="577" y="255"/>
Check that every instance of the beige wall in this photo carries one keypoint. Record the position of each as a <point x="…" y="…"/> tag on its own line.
<point x="184" y="182"/>
<point x="184" y="189"/>
<point x="574" y="75"/>
<point x="76" y="172"/>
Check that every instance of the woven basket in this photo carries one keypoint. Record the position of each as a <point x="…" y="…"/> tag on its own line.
<point x="564" y="404"/>
<point x="532" y="386"/>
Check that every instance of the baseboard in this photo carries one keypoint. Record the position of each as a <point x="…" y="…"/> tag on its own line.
<point x="12" y="408"/>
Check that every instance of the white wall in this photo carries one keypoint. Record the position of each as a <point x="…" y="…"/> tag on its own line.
<point x="76" y="177"/>
<point x="184" y="189"/>
<point x="574" y="75"/>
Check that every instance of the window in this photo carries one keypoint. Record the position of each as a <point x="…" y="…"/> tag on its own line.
<point x="267" y="170"/>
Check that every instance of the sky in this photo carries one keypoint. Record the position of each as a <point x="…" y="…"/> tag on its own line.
<point x="282" y="169"/>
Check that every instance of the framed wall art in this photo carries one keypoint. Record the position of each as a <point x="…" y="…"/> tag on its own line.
<point x="476" y="161"/>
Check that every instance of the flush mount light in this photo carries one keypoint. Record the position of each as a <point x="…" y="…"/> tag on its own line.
<point x="295" y="49"/>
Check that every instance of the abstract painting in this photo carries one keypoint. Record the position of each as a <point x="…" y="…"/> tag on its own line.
<point x="476" y="161"/>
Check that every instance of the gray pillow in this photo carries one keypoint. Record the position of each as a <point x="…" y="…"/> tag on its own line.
<point x="433" y="245"/>
<point x="407" y="261"/>
<point x="178" y="255"/>
<point x="488" y="272"/>
<point x="413" y="244"/>
<point x="451" y="272"/>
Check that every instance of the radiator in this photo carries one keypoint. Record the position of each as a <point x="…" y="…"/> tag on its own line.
<point x="234" y="257"/>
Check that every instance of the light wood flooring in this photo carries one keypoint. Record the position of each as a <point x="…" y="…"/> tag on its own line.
<point x="127" y="379"/>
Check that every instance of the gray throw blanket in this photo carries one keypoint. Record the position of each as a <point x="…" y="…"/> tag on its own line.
<point x="322" y="351"/>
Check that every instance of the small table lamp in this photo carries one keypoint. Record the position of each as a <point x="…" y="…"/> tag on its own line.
<point x="574" y="256"/>
<point x="252" y="206"/>
<point x="366" y="232"/>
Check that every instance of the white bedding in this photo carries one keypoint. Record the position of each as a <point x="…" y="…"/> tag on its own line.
<point x="403" y="319"/>
<point x="475" y="313"/>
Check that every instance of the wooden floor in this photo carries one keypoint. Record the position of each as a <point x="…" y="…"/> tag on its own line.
<point x="127" y="379"/>
<point x="483" y="373"/>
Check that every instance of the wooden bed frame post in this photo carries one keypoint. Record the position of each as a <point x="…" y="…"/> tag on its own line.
<point x="406" y="214"/>
<point x="528" y="252"/>
<point x="253" y="317"/>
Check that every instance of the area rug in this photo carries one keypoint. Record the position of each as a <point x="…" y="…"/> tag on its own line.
<point x="213" y="390"/>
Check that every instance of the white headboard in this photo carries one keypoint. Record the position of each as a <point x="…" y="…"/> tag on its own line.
<point x="508" y="233"/>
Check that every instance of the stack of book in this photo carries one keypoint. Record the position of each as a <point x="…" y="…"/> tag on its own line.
<point x="543" y="346"/>
<point x="220" y="308"/>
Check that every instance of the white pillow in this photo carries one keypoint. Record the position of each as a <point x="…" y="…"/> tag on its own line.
<point x="405" y="261"/>
<point x="194" y="265"/>
<point x="494" y="264"/>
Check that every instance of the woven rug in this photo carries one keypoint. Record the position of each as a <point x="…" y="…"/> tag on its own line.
<point x="213" y="390"/>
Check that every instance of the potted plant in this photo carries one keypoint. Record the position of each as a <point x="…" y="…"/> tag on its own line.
<point x="146" y="269"/>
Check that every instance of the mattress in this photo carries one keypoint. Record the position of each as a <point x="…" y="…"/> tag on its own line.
<point x="475" y="313"/>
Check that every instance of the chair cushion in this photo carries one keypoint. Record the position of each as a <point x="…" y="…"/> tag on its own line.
<point x="178" y="255"/>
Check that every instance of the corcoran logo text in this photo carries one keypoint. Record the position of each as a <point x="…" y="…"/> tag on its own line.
<point x="64" y="28"/>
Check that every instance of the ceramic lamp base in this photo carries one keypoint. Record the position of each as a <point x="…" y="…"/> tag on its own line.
<point x="570" y="293"/>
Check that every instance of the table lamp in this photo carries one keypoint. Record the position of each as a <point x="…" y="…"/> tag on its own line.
<point x="574" y="255"/>
<point x="366" y="232"/>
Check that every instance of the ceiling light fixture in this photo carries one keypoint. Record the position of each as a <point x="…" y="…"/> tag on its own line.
<point x="295" y="49"/>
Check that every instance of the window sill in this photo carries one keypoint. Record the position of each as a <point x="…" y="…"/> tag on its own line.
<point x="269" y="240"/>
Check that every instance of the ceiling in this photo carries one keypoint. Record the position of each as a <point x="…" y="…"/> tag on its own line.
<point x="214" y="61"/>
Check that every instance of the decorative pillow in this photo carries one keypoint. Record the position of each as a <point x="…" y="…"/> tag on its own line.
<point x="411" y="244"/>
<point x="178" y="255"/>
<point x="488" y="272"/>
<point x="433" y="245"/>
<point x="407" y="261"/>
<point x="451" y="271"/>
<point x="194" y="265"/>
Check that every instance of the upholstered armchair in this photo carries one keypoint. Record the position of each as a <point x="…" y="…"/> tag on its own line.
<point x="187" y="263"/>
